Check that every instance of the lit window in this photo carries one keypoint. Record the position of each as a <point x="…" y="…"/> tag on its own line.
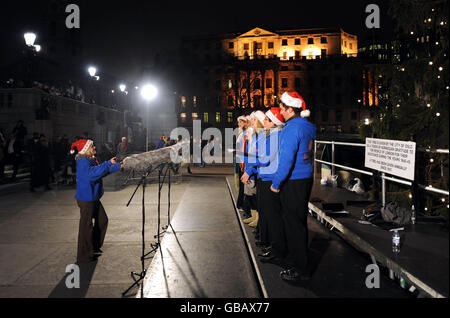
<point x="183" y="115"/>
<point x="230" y="117"/>
<point x="205" y="117"/>
<point x="217" y="117"/>
<point x="194" y="101"/>
<point x="194" y="116"/>
<point x="183" y="101"/>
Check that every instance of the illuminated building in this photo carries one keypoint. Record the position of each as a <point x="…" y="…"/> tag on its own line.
<point x="227" y="75"/>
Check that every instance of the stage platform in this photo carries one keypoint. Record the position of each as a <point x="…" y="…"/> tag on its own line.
<point x="423" y="260"/>
<point x="202" y="254"/>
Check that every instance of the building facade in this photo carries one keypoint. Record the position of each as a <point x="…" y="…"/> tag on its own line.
<point x="223" y="77"/>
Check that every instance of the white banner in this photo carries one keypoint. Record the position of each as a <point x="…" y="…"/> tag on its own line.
<point x="391" y="156"/>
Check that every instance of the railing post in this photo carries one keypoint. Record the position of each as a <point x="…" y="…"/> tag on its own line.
<point x="314" y="159"/>
<point x="332" y="159"/>
<point x="383" y="189"/>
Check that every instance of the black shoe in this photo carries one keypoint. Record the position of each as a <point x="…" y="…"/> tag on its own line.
<point x="291" y="275"/>
<point x="269" y="258"/>
<point x="266" y="255"/>
<point x="98" y="252"/>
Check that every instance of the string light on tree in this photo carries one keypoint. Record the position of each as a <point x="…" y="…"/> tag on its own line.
<point x="440" y="68"/>
<point x="430" y="63"/>
<point x="438" y="114"/>
<point x="428" y="105"/>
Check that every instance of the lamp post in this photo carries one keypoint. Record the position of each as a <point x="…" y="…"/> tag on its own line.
<point x="148" y="92"/>
<point x="92" y="70"/>
<point x="31" y="49"/>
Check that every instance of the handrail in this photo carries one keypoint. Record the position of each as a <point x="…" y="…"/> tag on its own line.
<point x="345" y="167"/>
<point x="383" y="177"/>
<point x="434" y="150"/>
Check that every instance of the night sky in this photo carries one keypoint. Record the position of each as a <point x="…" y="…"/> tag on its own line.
<point x="121" y="36"/>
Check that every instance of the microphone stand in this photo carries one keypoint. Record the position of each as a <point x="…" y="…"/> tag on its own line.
<point x="161" y="184"/>
<point x="138" y="277"/>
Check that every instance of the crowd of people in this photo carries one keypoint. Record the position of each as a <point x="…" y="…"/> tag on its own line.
<point x="274" y="176"/>
<point x="47" y="161"/>
<point x="67" y="90"/>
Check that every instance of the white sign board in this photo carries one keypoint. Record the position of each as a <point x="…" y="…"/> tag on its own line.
<point x="391" y="156"/>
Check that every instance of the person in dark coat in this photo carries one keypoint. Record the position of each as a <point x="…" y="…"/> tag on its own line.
<point x="58" y="153"/>
<point x="41" y="166"/>
<point x="2" y="153"/>
<point x="13" y="152"/>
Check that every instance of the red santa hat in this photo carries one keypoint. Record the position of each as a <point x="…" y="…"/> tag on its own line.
<point x="293" y="99"/>
<point x="275" y="116"/>
<point x="82" y="145"/>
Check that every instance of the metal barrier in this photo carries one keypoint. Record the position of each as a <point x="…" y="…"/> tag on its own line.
<point x="383" y="175"/>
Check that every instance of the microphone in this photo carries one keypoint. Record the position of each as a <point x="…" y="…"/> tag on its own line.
<point x="146" y="161"/>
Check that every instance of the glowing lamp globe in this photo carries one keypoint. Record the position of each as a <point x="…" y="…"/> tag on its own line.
<point x="149" y="92"/>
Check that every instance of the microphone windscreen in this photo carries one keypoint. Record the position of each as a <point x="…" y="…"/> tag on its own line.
<point x="146" y="161"/>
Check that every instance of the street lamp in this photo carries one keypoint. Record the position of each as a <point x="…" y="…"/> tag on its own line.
<point x="30" y="37"/>
<point x="92" y="71"/>
<point x="148" y="92"/>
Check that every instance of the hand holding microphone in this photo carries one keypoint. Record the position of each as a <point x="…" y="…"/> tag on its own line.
<point x="114" y="161"/>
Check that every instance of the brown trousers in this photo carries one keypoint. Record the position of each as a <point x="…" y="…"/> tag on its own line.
<point x="91" y="235"/>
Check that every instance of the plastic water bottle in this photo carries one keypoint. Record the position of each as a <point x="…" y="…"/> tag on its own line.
<point x="396" y="242"/>
<point x="413" y="215"/>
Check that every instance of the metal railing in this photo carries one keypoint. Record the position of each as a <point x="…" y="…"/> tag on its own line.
<point x="384" y="177"/>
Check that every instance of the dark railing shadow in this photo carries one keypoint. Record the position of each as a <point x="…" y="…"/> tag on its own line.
<point x="86" y="272"/>
<point x="164" y="272"/>
<point x="197" y="289"/>
<point x="316" y="250"/>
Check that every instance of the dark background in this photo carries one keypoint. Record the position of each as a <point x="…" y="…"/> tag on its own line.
<point x="121" y="37"/>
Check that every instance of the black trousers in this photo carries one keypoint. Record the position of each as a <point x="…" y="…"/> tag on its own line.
<point x="240" y="200"/>
<point x="262" y="217"/>
<point x="294" y="196"/>
<point x="272" y="227"/>
<point x="91" y="236"/>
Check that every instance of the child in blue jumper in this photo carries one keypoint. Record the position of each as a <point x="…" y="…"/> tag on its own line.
<point x="89" y="192"/>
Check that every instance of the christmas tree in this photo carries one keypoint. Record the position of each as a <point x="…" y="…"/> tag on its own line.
<point x="414" y="93"/>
